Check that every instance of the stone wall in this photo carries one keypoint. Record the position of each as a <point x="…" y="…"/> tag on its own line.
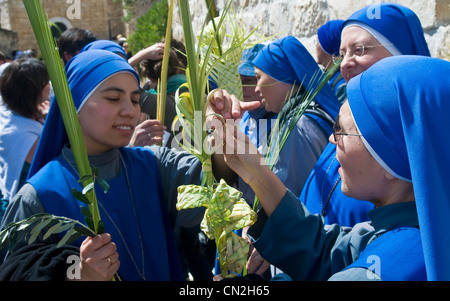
<point x="8" y="41"/>
<point x="301" y="18"/>
<point x="102" y="17"/>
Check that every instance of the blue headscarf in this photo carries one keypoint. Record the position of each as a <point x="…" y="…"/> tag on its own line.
<point x="329" y="36"/>
<point x="288" y="61"/>
<point x="392" y="24"/>
<point x="246" y="67"/>
<point x="85" y="72"/>
<point x="106" y="45"/>
<point x="401" y="107"/>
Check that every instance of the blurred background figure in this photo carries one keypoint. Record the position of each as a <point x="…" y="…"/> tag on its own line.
<point x="24" y="88"/>
<point x="72" y="41"/>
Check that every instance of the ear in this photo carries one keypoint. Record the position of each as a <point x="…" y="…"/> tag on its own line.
<point x="67" y="56"/>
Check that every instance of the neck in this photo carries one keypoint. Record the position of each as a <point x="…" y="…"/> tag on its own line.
<point x="401" y="192"/>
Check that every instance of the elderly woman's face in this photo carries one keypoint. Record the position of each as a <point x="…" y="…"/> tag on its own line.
<point x="110" y="115"/>
<point x="362" y="176"/>
<point x="352" y="65"/>
<point x="273" y="92"/>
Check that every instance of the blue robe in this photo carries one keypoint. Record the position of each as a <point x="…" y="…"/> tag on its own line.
<point x="396" y="255"/>
<point x="160" y="255"/>
<point x="322" y="193"/>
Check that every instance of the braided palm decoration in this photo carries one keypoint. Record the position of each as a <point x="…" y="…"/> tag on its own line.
<point x="226" y="211"/>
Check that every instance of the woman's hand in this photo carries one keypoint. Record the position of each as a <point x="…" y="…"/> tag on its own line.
<point x="148" y="132"/>
<point x="257" y="264"/>
<point x="228" y="106"/>
<point x="99" y="259"/>
<point x="154" y="53"/>
<point x="241" y="155"/>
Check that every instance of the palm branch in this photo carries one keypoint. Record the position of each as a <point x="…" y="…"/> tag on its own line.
<point x="226" y="209"/>
<point x="287" y="119"/>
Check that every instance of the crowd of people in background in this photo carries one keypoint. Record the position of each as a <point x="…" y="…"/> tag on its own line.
<point x="362" y="174"/>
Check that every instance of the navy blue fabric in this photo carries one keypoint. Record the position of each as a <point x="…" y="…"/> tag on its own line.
<point x="54" y="184"/>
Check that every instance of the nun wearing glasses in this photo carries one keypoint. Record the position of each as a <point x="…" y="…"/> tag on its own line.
<point x="368" y="36"/>
<point x="388" y="140"/>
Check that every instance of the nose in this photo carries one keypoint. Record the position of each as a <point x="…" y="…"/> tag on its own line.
<point x="347" y="64"/>
<point x="128" y="109"/>
<point x="331" y="139"/>
<point x="257" y="89"/>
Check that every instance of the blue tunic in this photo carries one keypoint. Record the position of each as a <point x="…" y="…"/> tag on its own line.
<point x="161" y="261"/>
<point x="322" y="193"/>
<point x="396" y="255"/>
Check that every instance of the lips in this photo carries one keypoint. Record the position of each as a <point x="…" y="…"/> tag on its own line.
<point x="124" y="128"/>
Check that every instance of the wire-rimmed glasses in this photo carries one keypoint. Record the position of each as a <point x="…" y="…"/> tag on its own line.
<point x="336" y="129"/>
<point x="358" y="50"/>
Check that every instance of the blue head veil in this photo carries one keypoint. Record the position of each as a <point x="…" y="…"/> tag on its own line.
<point x="403" y="118"/>
<point x="106" y="45"/>
<point x="287" y="60"/>
<point x="85" y="72"/>
<point x="392" y="25"/>
<point x="329" y="36"/>
<point x="246" y="67"/>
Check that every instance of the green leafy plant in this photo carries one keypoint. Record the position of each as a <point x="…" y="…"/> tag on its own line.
<point x="150" y="27"/>
<point x="49" y="50"/>
<point x="162" y="87"/>
<point x="226" y="209"/>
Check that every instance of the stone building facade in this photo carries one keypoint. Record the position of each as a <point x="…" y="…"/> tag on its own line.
<point x="301" y="18"/>
<point x="102" y="17"/>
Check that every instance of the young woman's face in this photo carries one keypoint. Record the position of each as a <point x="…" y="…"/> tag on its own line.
<point x="362" y="176"/>
<point x="273" y="92"/>
<point x="110" y="115"/>
<point x="352" y="65"/>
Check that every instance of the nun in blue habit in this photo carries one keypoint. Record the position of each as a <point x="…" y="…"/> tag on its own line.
<point x="399" y="30"/>
<point x="138" y="210"/>
<point x="106" y="45"/>
<point x="404" y="126"/>
<point x="392" y="146"/>
<point x="287" y="61"/>
<point x="328" y="42"/>
<point x="255" y="123"/>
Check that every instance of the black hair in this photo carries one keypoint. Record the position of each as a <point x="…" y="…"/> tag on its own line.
<point x="21" y="86"/>
<point x="73" y="40"/>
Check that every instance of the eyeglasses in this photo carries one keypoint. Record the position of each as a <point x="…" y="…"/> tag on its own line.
<point x="336" y="129"/>
<point x="358" y="50"/>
